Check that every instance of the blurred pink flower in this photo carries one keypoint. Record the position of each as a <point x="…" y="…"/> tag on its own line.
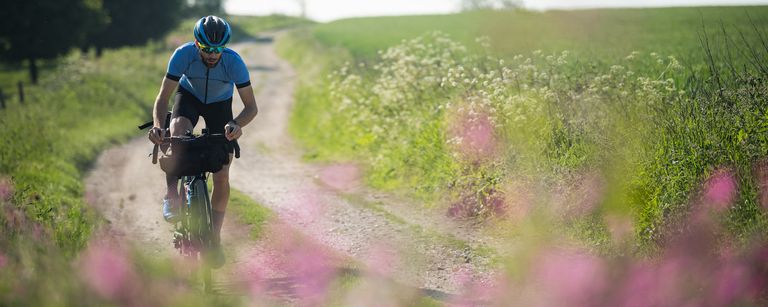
<point x="582" y="195"/>
<point x="313" y="272"/>
<point x="341" y="177"/>
<point x="641" y="287"/>
<point x="475" y="135"/>
<point x="382" y="260"/>
<point x="572" y="278"/>
<point x="731" y="283"/>
<point x="108" y="271"/>
<point x="306" y="206"/>
<point x="307" y="267"/>
<point x="518" y="198"/>
<point x="720" y="190"/>
<point x="478" y="291"/>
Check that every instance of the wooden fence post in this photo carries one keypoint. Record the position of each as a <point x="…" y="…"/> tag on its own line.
<point x="2" y="99"/>
<point x="21" y="91"/>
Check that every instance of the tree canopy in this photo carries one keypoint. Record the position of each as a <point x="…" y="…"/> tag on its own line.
<point x="134" y="22"/>
<point x="46" y="29"/>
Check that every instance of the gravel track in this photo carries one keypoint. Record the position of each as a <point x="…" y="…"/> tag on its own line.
<point x="325" y="205"/>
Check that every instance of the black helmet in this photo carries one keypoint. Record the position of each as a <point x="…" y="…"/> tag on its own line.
<point x="212" y="31"/>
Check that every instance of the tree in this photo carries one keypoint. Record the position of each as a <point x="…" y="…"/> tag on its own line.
<point x="134" y="22"/>
<point x="471" y="5"/>
<point x="199" y="8"/>
<point x="46" y="29"/>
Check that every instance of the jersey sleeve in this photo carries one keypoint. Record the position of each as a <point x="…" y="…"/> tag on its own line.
<point x="177" y="65"/>
<point x="240" y="73"/>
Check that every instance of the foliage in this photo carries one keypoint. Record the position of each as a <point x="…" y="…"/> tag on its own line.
<point x="200" y="8"/>
<point x="133" y="23"/>
<point x="34" y="30"/>
<point x="469" y="5"/>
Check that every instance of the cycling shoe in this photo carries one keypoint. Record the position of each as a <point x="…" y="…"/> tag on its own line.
<point x="170" y="212"/>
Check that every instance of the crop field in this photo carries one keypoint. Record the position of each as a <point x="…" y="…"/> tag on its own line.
<point x="597" y="35"/>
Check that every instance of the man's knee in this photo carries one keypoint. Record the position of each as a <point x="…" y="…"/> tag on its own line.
<point x="221" y="177"/>
<point x="180" y="125"/>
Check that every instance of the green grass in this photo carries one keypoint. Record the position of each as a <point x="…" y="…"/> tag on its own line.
<point x="655" y="129"/>
<point x="249" y="25"/>
<point x="82" y="107"/>
<point x="249" y="212"/>
<point x="608" y="34"/>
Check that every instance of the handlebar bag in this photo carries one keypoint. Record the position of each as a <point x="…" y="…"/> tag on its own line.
<point x="195" y="156"/>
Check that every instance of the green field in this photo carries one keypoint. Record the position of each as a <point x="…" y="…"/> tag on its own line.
<point x="655" y="123"/>
<point x="602" y="35"/>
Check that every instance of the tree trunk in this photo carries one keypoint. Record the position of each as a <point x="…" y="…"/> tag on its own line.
<point x="33" y="69"/>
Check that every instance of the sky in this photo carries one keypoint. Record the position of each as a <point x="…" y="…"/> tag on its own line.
<point x="327" y="10"/>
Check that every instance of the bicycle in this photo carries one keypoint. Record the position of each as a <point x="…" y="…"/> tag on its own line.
<point x="193" y="232"/>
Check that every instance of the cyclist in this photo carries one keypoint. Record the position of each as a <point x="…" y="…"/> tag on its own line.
<point x="206" y="72"/>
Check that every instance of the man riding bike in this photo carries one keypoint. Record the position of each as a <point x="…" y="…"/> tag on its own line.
<point x="205" y="72"/>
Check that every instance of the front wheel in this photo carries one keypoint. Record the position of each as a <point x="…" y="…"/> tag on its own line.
<point x="201" y="225"/>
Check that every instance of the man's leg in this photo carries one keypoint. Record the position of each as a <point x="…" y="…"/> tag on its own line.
<point x="220" y="198"/>
<point x="179" y="126"/>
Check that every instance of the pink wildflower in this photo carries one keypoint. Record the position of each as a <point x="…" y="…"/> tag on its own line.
<point x="478" y="290"/>
<point x="107" y="271"/>
<point x="341" y="177"/>
<point x="476" y="137"/>
<point x="572" y="278"/>
<point x="731" y="282"/>
<point x="720" y="190"/>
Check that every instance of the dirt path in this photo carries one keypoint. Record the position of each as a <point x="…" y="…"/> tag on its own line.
<point x="323" y="203"/>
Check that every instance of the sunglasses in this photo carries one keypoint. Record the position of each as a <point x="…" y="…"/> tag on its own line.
<point x="209" y="49"/>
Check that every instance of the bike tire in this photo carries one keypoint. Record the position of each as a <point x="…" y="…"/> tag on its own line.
<point x="201" y="226"/>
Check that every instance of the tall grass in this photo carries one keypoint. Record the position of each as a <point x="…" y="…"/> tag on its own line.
<point x="644" y="154"/>
<point x="636" y="137"/>
<point x="52" y="138"/>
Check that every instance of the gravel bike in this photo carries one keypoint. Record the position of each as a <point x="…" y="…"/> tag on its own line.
<point x="193" y="234"/>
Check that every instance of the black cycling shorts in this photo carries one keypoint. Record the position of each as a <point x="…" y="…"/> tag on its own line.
<point x="216" y="114"/>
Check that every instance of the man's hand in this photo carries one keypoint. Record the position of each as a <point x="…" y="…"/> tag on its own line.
<point x="156" y="135"/>
<point x="232" y="130"/>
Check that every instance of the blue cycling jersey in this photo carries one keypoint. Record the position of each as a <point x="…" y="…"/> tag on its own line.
<point x="210" y="85"/>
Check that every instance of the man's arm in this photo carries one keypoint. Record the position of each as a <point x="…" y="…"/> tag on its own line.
<point x="161" y="109"/>
<point x="250" y="110"/>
